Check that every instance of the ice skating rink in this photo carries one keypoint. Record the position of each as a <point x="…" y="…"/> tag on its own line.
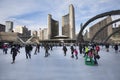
<point x="59" y="67"/>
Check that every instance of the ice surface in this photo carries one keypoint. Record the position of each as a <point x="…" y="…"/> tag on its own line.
<point x="59" y="67"/>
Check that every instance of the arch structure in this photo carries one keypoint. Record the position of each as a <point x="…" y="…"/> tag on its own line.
<point x="107" y="38"/>
<point x="20" y="40"/>
<point x="80" y="36"/>
<point x="32" y="40"/>
<point x="92" y="40"/>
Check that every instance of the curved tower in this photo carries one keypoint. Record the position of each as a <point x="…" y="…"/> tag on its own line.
<point x="68" y="23"/>
<point x="49" y="26"/>
<point x="72" y="21"/>
<point x="53" y="27"/>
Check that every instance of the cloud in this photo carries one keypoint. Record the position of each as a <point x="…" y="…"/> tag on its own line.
<point x="34" y="12"/>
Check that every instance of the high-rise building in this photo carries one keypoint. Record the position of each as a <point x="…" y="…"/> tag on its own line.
<point x="42" y="34"/>
<point x="2" y="28"/>
<point x="65" y="25"/>
<point x="22" y="30"/>
<point x="18" y="29"/>
<point x="9" y="26"/>
<point x="104" y="33"/>
<point x="53" y="27"/>
<point x="34" y="33"/>
<point x="68" y="23"/>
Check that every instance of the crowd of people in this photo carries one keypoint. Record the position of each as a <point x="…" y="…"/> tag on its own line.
<point x="89" y="51"/>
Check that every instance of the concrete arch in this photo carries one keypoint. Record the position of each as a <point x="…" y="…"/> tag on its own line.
<point x="111" y="35"/>
<point x="114" y="12"/>
<point x="104" y="28"/>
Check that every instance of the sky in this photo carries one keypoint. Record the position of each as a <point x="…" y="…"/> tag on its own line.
<point x="33" y="13"/>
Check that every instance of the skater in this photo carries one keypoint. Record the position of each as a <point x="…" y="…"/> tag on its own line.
<point x="116" y="48"/>
<point x="96" y="56"/>
<point x="37" y="49"/>
<point x="14" y="51"/>
<point x="5" y="48"/>
<point x="76" y="53"/>
<point x="86" y="51"/>
<point x="97" y="48"/>
<point x="72" y="51"/>
<point x="80" y="48"/>
<point x="46" y="50"/>
<point x="28" y="49"/>
<point x="90" y="54"/>
<point x="107" y="47"/>
<point x="65" y="50"/>
<point x="51" y="47"/>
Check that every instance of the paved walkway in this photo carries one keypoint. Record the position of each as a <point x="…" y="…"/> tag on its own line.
<point x="58" y="67"/>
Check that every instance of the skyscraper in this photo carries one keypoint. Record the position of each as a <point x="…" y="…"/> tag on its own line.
<point x="68" y="23"/>
<point x="22" y="30"/>
<point x="9" y="26"/>
<point x="2" y="28"/>
<point x="42" y="34"/>
<point x="34" y="33"/>
<point x="53" y="27"/>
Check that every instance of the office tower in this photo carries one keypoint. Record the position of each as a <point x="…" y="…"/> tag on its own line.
<point x="9" y="26"/>
<point x="68" y="23"/>
<point x="53" y="27"/>
<point x="40" y="34"/>
<point x="22" y="30"/>
<point x="2" y="28"/>
<point x="44" y="32"/>
<point x="34" y="33"/>
<point x="18" y="29"/>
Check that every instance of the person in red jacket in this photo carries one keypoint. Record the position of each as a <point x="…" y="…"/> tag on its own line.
<point x="97" y="48"/>
<point x="76" y="53"/>
<point x="5" y="48"/>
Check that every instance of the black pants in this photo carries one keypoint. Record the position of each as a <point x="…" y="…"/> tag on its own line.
<point x="13" y="56"/>
<point x="28" y="55"/>
<point x="95" y="60"/>
<point x="85" y="54"/>
<point x="72" y="54"/>
<point x="76" y="56"/>
<point x="64" y="53"/>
